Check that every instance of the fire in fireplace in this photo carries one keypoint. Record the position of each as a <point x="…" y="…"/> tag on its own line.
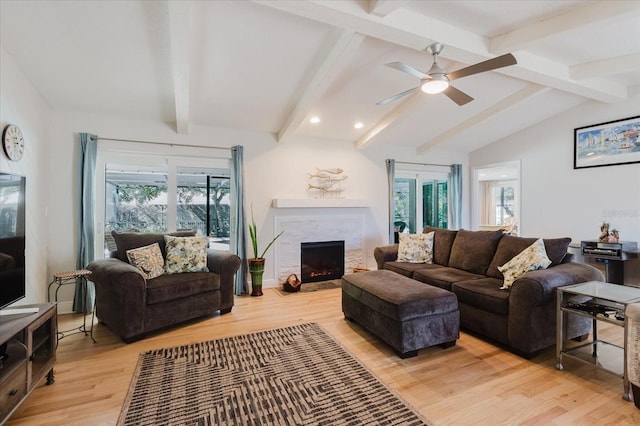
<point x="321" y="261"/>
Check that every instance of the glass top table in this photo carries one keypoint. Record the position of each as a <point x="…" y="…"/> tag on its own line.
<point x="598" y="301"/>
<point x="600" y="290"/>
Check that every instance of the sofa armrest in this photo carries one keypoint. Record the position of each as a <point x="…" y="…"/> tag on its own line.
<point x="539" y="287"/>
<point x="384" y="254"/>
<point x="532" y="306"/>
<point x="120" y="295"/>
<point x="226" y="265"/>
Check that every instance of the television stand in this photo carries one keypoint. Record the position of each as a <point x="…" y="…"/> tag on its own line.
<point x="28" y="342"/>
<point x="18" y="311"/>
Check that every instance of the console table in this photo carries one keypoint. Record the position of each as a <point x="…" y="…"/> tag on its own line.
<point x="28" y="349"/>
<point x="598" y="301"/>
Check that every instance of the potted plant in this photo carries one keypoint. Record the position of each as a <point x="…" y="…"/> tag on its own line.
<point x="256" y="263"/>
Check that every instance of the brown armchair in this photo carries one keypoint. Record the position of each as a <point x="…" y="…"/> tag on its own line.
<point x="132" y="306"/>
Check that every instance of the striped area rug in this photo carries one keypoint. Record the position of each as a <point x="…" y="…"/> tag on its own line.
<point x="296" y="375"/>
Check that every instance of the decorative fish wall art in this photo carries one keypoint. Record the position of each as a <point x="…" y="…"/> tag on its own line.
<point x="326" y="182"/>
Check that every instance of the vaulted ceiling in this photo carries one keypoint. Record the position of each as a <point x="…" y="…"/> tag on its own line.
<point x="270" y="65"/>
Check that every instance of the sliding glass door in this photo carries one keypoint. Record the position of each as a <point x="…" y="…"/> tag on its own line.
<point x="167" y="197"/>
<point x="420" y="199"/>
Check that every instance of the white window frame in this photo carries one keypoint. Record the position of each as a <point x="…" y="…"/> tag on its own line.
<point x="138" y="154"/>
<point x="420" y="177"/>
<point x="475" y="202"/>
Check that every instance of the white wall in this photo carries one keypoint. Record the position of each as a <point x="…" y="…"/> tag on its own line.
<point x="22" y="105"/>
<point x="558" y="200"/>
<point x="272" y="170"/>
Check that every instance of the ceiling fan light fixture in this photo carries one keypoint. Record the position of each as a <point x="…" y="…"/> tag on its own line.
<point x="436" y="84"/>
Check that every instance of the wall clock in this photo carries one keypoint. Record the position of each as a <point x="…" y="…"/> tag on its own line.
<point x="13" y="142"/>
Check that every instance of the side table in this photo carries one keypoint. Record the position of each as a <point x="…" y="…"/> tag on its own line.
<point x="598" y="301"/>
<point x="72" y="277"/>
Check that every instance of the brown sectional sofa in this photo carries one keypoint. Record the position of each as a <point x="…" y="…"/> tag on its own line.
<point x="521" y="318"/>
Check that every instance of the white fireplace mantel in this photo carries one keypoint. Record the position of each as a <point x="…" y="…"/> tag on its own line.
<point x="288" y="203"/>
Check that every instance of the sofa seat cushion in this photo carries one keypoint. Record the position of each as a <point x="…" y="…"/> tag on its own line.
<point x="396" y="296"/>
<point x="483" y="293"/>
<point x="473" y="251"/>
<point x="407" y="269"/>
<point x="510" y="246"/>
<point x="171" y="287"/>
<point x="444" y="277"/>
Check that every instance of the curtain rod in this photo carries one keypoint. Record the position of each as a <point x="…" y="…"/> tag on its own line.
<point x="423" y="164"/>
<point x="160" y="143"/>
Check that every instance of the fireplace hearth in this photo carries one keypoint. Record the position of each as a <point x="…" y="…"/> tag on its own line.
<point x="321" y="261"/>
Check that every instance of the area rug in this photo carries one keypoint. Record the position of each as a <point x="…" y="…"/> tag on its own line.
<point x="311" y="287"/>
<point x="296" y="375"/>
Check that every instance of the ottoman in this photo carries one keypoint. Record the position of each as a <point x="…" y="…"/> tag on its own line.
<point x="404" y="313"/>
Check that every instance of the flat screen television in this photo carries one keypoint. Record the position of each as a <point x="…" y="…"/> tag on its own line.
<point x="12" y="238"/>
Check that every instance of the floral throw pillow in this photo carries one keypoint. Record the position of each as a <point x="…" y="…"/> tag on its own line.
<point x="532" y="258"/>
<point x="148" y="259"/>
<point x="416" y="248"/>
<point x="185" y="254"/>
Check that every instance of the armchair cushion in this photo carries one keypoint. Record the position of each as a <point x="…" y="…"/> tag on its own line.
<point x="185" y="254"/>
<point x="130" y="240"/>
<point x="148" y="259"/>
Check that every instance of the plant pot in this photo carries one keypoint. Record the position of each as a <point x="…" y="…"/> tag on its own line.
<point x="256" y="269"/>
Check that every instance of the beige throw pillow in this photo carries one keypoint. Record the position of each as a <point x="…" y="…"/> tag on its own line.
<point x="532" y="258"/>
<point x="416" y="248"/>
<point x="185" y="254"/>
<point x="148" y="259"/>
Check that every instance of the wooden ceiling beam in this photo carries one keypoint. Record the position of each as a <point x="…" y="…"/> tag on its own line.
<point x="179" y="39"/>
<point x="606" y="67"/>
<point x="502" y="105"/>
<point x="595" y="13"/>
<point x="329" y="63"/>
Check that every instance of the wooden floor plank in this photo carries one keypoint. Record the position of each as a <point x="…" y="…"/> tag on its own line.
<point x="473" y="382"/>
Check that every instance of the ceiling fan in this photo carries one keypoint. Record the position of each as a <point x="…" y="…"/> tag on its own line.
<point x="436" y="80"/>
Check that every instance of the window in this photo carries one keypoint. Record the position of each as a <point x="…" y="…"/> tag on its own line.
<point x="167" y="197"/>
<point x="414" y="208"/>
<point x="497" y="197"/>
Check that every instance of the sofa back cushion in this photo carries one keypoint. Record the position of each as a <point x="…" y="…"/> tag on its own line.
<point x="131" y="240"/>
<point x="442" y="243"/>
<point x="473" y="251"/>
<point x="511" y="246"/>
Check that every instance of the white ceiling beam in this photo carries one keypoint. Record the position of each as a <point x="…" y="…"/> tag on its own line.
<point x="403" y="107"/>
<point x="179" y="36"/>
<point x="329" y="63"/>
<point x="606" y="67"/>
<point x="416" y="31"/>
<point x="384" y="7"/>
<point x="584" y="15"/>
<point x="504" y="104"/>
<point x="413" y="30"/>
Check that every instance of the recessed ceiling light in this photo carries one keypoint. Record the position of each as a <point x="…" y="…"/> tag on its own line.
<point x="315" y="119"/>
<point x="358" y="125"/>
<point x="504" y="176"/>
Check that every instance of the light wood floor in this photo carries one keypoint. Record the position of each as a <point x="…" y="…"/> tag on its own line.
<point x="473" y="383"/>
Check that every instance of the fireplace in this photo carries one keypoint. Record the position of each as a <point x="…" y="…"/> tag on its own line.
<point x="321" y="261"/>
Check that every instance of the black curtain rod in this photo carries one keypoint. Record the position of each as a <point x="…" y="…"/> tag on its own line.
<point x="160" y="143"/>
<point x="423" y="164"/>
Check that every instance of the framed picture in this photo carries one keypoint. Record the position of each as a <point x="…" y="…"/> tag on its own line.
<point x="607" y="144"/>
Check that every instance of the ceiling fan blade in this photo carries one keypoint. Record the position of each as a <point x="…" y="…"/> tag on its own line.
<point x="396" y="97"/>
<point x="457" y="96"/>
<point x="488" y="65"/>
<point x="406" y="68"/>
